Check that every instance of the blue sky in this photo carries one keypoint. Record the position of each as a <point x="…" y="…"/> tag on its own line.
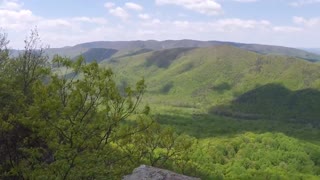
<point x="294" y="23"/>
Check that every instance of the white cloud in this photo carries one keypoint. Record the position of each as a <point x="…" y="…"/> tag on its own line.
<point x="246" y="1"/>
<point x="10" y="5"/>
<point x="95" y="20"/>
<point x="222" y="25"/>
<point x="208" y="7"/>
<point x="49" y="23"/>
<point x="14" y="18"/>
<point x="304" y="2"/>
<point x="312" y="22"/>
<point x="151" y="23"/>
<point x="119" y="12"/>
<point x="234" y="24"/>
<point x="181" y="24"/>
<point x="144" y="16"/>
<point x="109" y="5"/>
<point x="18" y="21"/>
<point x="287" y="29"/>
<point x="133" y="6"/>
<point x="225" y="29"/>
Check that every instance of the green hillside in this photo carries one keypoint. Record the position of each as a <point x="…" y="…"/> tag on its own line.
<point x="65" y="51"/>
<point x="207" y="77"/>
<point x="97" y="54"/>
<point x="278" y="50"/>
<point x="186" y="43"/>
<point x="273" y="101"/>
<point x="135" y="47"/>
<point x="256" y="116"/>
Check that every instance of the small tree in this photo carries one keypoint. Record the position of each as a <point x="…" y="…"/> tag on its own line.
<point x="3" y="47"/>
<point x="15" y="99"/>
<point x="79" y="117"/>
<point x="158" y="146"/>
<point x="74" y="124"/>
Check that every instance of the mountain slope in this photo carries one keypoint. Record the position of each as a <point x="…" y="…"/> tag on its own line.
<point x="273" y="101"/>
<point x="98" y="54"/>
<point x="215" y="76"/>
<point x="169" y="44"/>
<point x="129" y="48"/>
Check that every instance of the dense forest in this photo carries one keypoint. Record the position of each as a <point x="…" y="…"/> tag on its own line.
<point x="69" y="118"/>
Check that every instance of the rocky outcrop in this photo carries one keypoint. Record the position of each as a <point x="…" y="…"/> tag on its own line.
<point x="151" y="173"/>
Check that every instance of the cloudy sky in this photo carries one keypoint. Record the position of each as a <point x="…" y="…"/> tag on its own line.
<point x="294" y="23"/>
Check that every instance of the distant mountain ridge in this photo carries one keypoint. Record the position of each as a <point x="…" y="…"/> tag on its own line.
<point x="125" y="48"/>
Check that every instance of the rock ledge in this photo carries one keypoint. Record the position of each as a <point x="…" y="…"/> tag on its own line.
<point x="151" y="173"/>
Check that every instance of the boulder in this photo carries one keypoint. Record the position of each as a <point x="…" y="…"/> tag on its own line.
<point x="145" y="172"/>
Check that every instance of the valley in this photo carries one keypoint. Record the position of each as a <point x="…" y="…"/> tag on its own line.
<point x="216" y="110"/>
<point x="160" y="89"/>
<point x="223" y="95"/>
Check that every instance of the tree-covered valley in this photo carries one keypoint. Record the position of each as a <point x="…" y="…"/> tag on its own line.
<point x="211" y="110"/>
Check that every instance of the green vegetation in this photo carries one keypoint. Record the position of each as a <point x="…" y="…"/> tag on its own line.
<point x="215" y="113"/>
<point x="227" y="81"/>
<point x="130" y="47"/>
<point x="263" y="156"/>
<point x="75" y="127"/>
<point x="97" y="54"/>
<point x="163" y="59"/>
<point x="278" y="50"/>
<point x="273" y="101"/>
<point x="219" y="94"/>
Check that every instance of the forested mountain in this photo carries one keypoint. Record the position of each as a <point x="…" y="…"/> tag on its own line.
<point x="219" y="94"/>
<point x="216" y="112"/>
<point x="217" y="76"/>
<point x="97" y="54"/>
<point x="129" y="47"/>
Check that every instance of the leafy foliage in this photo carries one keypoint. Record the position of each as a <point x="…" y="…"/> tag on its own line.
<point x="81" y="116"/>
<point x="264" y="156"/>
<point x="75" y="125"/>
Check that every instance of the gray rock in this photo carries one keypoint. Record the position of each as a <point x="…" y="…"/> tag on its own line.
<point x="151" y="173"/>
